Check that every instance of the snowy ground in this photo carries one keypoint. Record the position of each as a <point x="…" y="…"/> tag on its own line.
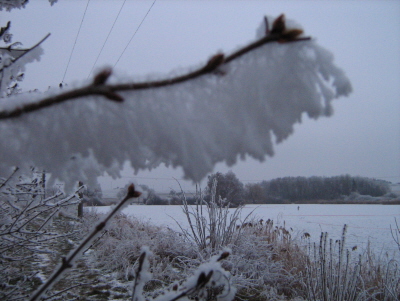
<point x="366" y="223"/>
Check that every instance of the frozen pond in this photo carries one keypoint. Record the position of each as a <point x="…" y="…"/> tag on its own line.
<point x="366" y="223"/>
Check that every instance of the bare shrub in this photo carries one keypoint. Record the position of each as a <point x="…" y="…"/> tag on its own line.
<point x="212" y="225"/>
<point x="30" y="224"/>
<point x="258" y="248"/>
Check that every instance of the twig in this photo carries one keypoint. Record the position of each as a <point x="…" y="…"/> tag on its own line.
<point x="8" y="179"/>
<point x="395" y="233"/>
<point x="109" y="91"/>
<point x="138" y="277"/>
<point x="25" y="51"/>
<point x="67" y="289"/>
<point x="67" y="261"/>
<point x="95" y="241"/>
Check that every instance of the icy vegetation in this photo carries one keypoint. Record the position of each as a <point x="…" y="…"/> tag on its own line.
<point x="11" y="4"/>
<point x="238" y="110"/>
<point x="258" y="260"/>
<point x="231" y="106"/>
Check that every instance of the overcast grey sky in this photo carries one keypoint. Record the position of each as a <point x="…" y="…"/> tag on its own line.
<point x="361" y="138"/>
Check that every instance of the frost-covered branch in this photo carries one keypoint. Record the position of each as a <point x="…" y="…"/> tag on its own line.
<point x="24" y="218"/>
<point x="19" y="51"/>
<point x="67" y="262"/>
<point x="98" y="87"/>
<point x="30" y="225"/>
<point x="229" y="107"/>
<point x="13" y="60"/>
<point x="8" y="5"/>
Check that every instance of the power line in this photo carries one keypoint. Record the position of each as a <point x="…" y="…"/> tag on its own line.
<point x="135" y="32"/>
<point x="101" y="50"/>
<point x="76" y="38"/>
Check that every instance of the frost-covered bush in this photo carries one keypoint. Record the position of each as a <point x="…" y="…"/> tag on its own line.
<point x="121" y="246"/>
<point x="212" y="225"/>
<point x="31" y="223"/>
<point x="174" y="261"/>
<point x="253" y="264"/>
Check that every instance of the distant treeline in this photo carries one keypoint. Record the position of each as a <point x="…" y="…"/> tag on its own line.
<point x="229" y="189"/>
<point x="312" y="189"/>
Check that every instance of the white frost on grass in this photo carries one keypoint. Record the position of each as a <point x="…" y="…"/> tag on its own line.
<point x="194" y="125"/>
<point x="218" y="277"/>
<point x="368" y="225"/>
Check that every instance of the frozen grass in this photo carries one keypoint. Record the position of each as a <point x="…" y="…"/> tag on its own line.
<point x="265" y="262"/>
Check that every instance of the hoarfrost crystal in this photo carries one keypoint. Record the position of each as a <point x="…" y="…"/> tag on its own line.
<point x="194" y="125"/>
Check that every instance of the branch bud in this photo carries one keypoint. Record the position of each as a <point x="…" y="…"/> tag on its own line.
<point x="101" y="77"/>
<point x="132" y="193"/>
<point x="214" y="62"/>
<point x="290" y="35"/>
<point x="223" y="256"/>
<point x="278" y="27"/>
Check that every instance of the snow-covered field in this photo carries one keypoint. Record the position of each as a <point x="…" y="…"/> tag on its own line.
<point x="366" y="223"/>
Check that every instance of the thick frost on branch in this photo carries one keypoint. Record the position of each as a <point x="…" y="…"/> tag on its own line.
<point x="11" y="4"/>
<point x="13" y="60"/>
<point x="238" y="109"/>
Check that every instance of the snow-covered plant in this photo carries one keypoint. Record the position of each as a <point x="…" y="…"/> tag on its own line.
<point x="395" y="231"/>
<point x="13" y="59"/>
<point x="210" y="281"/>
<point x="212" y="225"/>
<point x="11" y="4"/>
<point x="228" y="107"/>
<point x="26" y="230"/>
<point x="381" y="274"/>
<point x="331" y="274"/>
<point x="231" y="105"/>
<point x="68" y="261"/>
<point x="122" y="242"/>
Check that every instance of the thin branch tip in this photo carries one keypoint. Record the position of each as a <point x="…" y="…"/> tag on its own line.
<point x="132" y="193"/>
<point x="113" y="96"/>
